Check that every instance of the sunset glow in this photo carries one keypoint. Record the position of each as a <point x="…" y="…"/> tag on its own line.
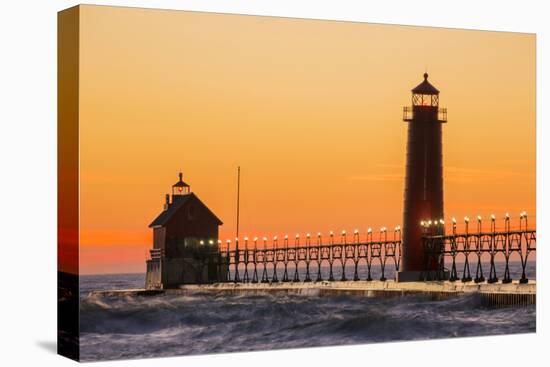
<point x="310" y="110"/>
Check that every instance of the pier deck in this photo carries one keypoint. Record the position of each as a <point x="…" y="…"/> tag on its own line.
<point x="496" y="294"/>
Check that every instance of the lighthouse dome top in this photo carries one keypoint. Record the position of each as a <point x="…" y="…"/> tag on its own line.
<point x="425" y="87"/>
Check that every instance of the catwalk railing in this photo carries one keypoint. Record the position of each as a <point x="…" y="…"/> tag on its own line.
<point x="281" y="261"/>
<point x="489" y="255"/>
<point x="481" y="253"/>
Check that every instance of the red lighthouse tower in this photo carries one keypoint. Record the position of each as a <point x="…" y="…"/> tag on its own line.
<point x="424" y="177"/>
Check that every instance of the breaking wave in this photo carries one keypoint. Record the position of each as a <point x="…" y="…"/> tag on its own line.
<point x="164" y="325"/>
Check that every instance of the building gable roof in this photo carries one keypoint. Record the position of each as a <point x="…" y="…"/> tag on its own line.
<point x="166" y="215"/>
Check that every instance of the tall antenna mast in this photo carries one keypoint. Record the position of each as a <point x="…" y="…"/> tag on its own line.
<point x="238" y="196"/>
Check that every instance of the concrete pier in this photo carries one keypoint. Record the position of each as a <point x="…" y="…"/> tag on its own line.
<point x="492" y="294"/>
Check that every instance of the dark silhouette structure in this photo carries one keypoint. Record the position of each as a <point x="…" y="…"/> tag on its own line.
<point x="424" y="178"/>
<point x="185" y="241"/>
<point x="369" y="256"/>
<point x="186" y="248"/>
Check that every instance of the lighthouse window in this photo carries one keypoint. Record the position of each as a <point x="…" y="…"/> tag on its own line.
<point x="425" y="100"/>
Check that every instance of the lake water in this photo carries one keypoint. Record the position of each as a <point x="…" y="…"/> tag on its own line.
<point x="167" y="325"/>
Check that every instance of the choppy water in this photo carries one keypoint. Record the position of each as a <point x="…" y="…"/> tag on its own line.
<point x="137" y="327"/>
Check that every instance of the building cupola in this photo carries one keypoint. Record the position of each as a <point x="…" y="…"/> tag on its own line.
<point x="180" y="188"/>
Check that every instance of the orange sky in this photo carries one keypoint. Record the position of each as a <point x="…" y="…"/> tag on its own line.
<point x="310" y="110"/>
